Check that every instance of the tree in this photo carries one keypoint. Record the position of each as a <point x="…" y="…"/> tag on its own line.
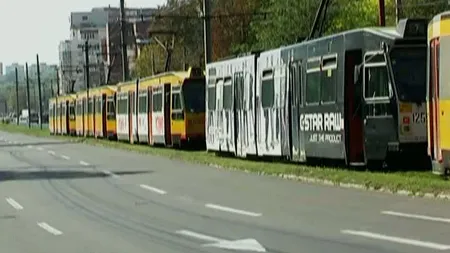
<point x="178" y="17"/>
<point x="230" y="26"/>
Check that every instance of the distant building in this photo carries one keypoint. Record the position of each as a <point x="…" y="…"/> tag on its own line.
<point x="10" y="70"/>
<point x="101" y="28"/>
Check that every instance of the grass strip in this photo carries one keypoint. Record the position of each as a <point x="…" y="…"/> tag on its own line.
<point x="415" y="182"/>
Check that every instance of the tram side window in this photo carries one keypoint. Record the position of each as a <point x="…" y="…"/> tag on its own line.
<point x="328" y="80"/>
<point x="376" y="82"/>
<point x="123" y="106"/>
<point x="71" y="112"/>
<point x="111" y="110"/>
<point x="98" y="105"/>
<point x="239" y="86"/>
<point x="90" y="106"/>
<point x="295" y="76"/>
<point x="79" y="109"/>
<point x="313" y="87"/>
<point x="227" y="95"/>
<point x="176" y="101"/>
<point x="157" y="102"/>
<point x="212" y="98"/>
<point x="142" y="104"/>
<point x="267" y="90"/>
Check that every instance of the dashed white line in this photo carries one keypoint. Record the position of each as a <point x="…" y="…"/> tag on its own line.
<point x="153" y="189"/>
<point x="417" y="216"/>
<point x="51" y="152"/>
<point x="39" y="148"/>
<point x="109" y="173"/>
<point x="84" y="163"/>
<point x="14" y="204"/>
<point x="65" y="157"/>
<point x="232" y="210"/>
<point x="29" y="146"/>
<point x="400" y="240"/>
<point x="49" y="228"/>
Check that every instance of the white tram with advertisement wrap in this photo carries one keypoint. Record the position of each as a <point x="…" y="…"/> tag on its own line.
<point x="349" y="96"/>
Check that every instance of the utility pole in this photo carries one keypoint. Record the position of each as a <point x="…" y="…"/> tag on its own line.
<point x="207" y="30"/>
<point x="28" y="94"/>
<point x="57" y="81"/>
<point x="17" y="97"/>
<point x="382" y="13"/>
<point x="123" y="33"/>
<point x="398" y="10"/>
<point x="86" y="71"/>
<point x="39" y="90"/>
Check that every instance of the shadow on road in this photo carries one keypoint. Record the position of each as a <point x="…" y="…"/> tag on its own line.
<point x="16" y="175"/>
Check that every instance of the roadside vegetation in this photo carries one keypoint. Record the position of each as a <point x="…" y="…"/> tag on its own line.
<point x="417" y="182"/>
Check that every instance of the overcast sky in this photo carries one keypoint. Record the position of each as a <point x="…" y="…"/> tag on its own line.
<point x="29" y="27"/>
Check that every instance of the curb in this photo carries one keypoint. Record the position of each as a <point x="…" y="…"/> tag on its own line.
<point x="441" y="196"/>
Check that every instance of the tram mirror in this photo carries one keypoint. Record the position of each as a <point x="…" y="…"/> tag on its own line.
<point x="391" y="92"/>
<point x="384" y="47"/>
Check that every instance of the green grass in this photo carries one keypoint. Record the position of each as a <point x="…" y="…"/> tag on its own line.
<point x="416" y="182"/>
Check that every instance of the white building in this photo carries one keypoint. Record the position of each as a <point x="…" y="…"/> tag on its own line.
<point x="104" y="52"/>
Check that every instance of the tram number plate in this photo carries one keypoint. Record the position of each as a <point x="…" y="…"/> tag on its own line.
<point x="419" y="117"/>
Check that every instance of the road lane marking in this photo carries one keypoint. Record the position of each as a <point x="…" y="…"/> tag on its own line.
<point x="239" y="245"/>
<point x="65" y="157"/>
<point x="29" y="146"/>
<point x="400" y="240"/>
<point x="84" y="163"/>
<point x="109" y="173"/>
<point x="49" y="228"/>
<point x="416" y="216"/>
<point x="198" y="236"/>
<point x="14" y="204"/>
<point x="51" y="152"/>
<point x="153" y="189"/>
<point x="39" y="148"/>
<point x="232" y="210"/>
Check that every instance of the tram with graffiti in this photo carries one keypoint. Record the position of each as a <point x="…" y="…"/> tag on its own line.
<point x="350" y="96"/>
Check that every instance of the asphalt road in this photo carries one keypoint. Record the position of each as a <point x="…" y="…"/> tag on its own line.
<point x="70" y="197"/>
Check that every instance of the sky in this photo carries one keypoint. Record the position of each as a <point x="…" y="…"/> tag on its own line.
<point x="31" y="27"/>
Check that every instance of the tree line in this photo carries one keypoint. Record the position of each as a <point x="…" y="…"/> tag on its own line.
<point x="240" y="26"/>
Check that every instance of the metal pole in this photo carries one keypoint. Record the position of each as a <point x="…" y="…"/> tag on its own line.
<point x="207" y="30"/>
<point x="382" y="14"/>
<point x="86" y="59"/>
<point x="123" y="35"/>
<point x="28" y="94"/>
<point x="57" y="81"/>
<point x="39" y="91"/>
<point x="17" y="97"/>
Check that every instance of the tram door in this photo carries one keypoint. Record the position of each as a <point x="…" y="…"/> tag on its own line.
<point x="353" y="110"/>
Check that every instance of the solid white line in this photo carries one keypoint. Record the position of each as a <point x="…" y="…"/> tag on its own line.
<point x="199" y="236"/>
<point x="416" y="216"/>
<point x="109" y="173"/>
<point x="153" y="189"/>
<point x="65" y="157"/>
<point x="51" y="152"/>
<point x="232" y="210"/>
<point x="14" y="204"/>
<point x="49" y="228"/>
<point x="84" y="163"/>
<point x="424" y="244"/>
